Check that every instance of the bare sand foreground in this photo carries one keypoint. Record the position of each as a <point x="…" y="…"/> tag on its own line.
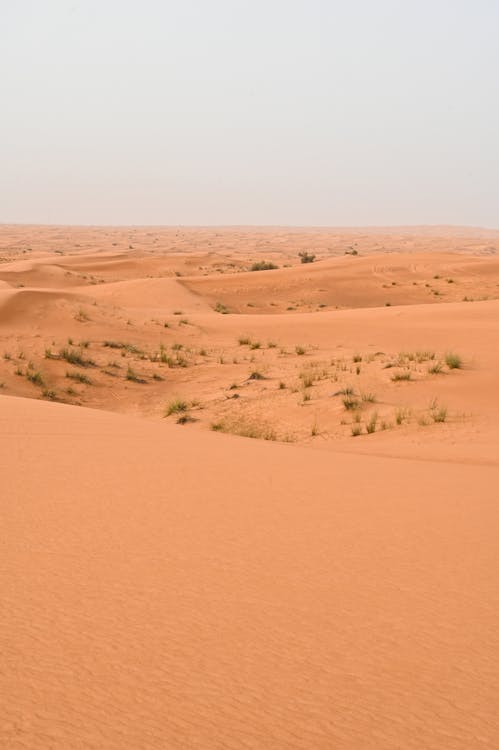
<point x="333" y="583"/>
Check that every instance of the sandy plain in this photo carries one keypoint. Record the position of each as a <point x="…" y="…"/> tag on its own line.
<point x="171" y="583"/>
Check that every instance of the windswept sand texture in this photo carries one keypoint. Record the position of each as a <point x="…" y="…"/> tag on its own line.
<point x="333" y="583"/>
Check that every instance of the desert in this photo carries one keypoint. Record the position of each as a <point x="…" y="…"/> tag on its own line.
<point x="250" y="483"/>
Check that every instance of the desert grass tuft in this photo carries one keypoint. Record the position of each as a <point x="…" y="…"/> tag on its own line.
<point x="35" y="377"/>
<point x="350" y="403"/>
<point x="79" y="377"/>
<point x="438" y="413"/>
<point x="177" y="406"/>
<point x="263" y="265"/>
<point x="398" y="376"/>
<point x="435" y="369"/>
<point x="453" y="361"/>
<point x="371" y="424"/>
<point x="74" y="357"/>
<point x="132" y="376"/>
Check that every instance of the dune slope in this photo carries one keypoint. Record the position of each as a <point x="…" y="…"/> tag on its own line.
<point x="173" y="589"/>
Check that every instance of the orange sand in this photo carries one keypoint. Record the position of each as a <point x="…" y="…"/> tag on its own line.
<point x="167" y="586"/>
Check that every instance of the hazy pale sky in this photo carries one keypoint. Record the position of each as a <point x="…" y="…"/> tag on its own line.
<point x="302" y="112"/>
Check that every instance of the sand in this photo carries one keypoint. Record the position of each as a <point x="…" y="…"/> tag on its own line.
<point x="182" y="586"/>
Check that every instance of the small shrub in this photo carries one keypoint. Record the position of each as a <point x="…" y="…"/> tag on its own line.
<point x="81" y="316"/>
<point x="50" y="395"/>
<point x="306" y="257"/>
<point x="300" y="350"/>
<point x="79" y="377"/>
<point x="185" y="419"/>
<point x="132" y="376"/>
<point x="263" y="265"/>
<point x="347" y="391"/>
<point x="177" y="406"/>
<point x="440" y="414"/>
<point x="74" y="357"/>
<point x="350" y="403"/>
<point x="256" y="375"/>
<point x="453" y="361"/>
<point x="369" y="398"/>
<point x="371" y="425"/>
<point x="307" y="379"/>
<point x="244" y="341"/>
<point x="398" y="376"/>
<point x="35" y="377"/>
<point x="221" y="308"/>
<point x="255" y="345"/>
<point x="356" y="430"/>
<point x="435" y="369"/>
<point x="401" y="416"/>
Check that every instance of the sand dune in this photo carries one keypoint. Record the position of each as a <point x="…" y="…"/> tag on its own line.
<point x="168" y="582"/>
<point x="394" y="279"/>
<point x="190" y="590"/>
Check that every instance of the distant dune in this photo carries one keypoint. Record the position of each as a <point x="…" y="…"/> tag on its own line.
<point x="169" y="582"/>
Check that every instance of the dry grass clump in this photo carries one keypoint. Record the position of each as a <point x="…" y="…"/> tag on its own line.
<point x="256" y="375"/>
<point x="81" y="316"/>
<point x="371" y="424"/>
<point x="435" y="369"/>
<point x="35" y="377"/>
<point x="263" y="265"/>
<point x="350" y="403"/>
<point x="132" y="376"/>
<point x="453" y="361"/>
<point x="177" y="406"/>
<point x="74" y="357"/>
<point x="245" y="428"/>
<point x="400" y="376"/>
<point x="438" y="413"/>
<point x="79" y="377"/>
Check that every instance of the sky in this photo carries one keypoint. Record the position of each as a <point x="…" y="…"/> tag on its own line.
<point x="250" y="112"/>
